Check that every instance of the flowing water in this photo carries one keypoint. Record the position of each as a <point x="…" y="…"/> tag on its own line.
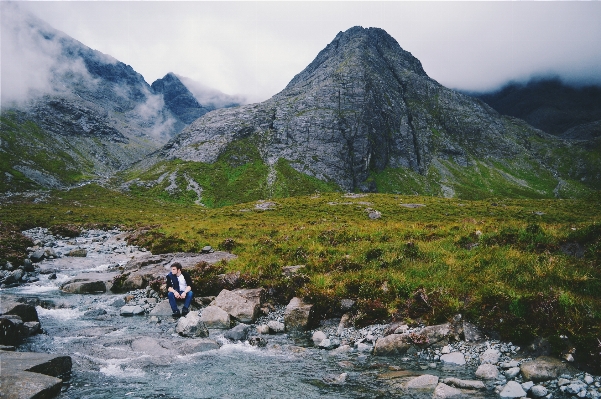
<point x="134" y="357"/>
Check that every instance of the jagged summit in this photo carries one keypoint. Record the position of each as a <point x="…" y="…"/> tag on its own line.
<point x="178" y="99"/>
<point x="363" y="46"/>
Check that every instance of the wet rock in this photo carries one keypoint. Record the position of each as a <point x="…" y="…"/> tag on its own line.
<point x="538" y="391"/>
<point x="84" y="287"/>
<point x="326" y="344"/>
<point x="543" y="368"/>
<point x="215" y="317"/>
<point x="443" y="391"/>
<point x="25" y="311"/>
<point x="487" y="372"/>
<point x="263" y="329"/>
<point x="94" y="313"/>
<point x="119" y="302"/>
<point x="394" y="344"/>
<point x="129" y="310"/>
<point x="37" y="256"/>
<point x="237" y="333"/>
<point x="490" y="356"/>
<point x="298" y="314"/>
<point x="465" y="384"/>
<point x="11" y="330"/>
<point x="336" y="379"/>
<point x="31" y="328"/>
<point x="512" y="390"/>
<point x="361" y="347"/>
<point x="426" y="381"/>
<point x="13" y="277"/>
<point x="237" y="306"/>
<point x="317" y="337"/>
<point x="197" y="345"/>
<point x="28" y="266"/>
<point x="191" y="326"/>
<point x="512" y="372"/>
<point x="456" y="358"/>
<point x="257" y="341"/>
<point x="345" y="321"/>
<point x="275" y="327"/>
<point x="341" y="350"/>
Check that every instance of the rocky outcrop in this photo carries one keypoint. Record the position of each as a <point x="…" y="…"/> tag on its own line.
<point x="178" y="99"/>
<point x="298" y="315"/>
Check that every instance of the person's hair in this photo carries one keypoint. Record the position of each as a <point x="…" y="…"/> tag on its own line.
<point x="178" y="265"/>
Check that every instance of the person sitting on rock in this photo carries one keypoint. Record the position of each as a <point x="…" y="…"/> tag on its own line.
<point x="179" y="287"/>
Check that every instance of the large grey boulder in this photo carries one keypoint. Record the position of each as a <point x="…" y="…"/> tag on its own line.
<point x="393" y="344"/>
<point x="84" y="287"/>
<point x="37" y="256"/>
<point x="466" y="384"/>
<point x="197" y="345"/>
<point x="254" y="295"/>
<point x="11" y="330"/>
<point x="455" y="358"/>
<point x="237" y="333"/>
<point x="298" y="314"/>
<point x="215" y="317"/>
<point x="238" y="307"/>
<point x="543" y="368"/>
<point x="275" y="327"/>
<point x="191" y="326"/>
<point x="490" y="356"/>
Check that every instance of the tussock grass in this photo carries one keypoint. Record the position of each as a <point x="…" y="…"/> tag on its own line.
<point x="521" y="268"/>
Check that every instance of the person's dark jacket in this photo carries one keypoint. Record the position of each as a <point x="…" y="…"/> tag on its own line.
<point x="172" y="281"/>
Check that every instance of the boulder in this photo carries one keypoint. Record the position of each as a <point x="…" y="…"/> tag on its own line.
<point x="426" y="381"/>
<point x="254" y="295"/>
<point x="84" y="287"/>
<point x="25" y="311"/>
<point x="298" y="314"/>
<point x="443" y="391"/>
<point x="237" y="333"/>
<point x="543" y="368"/>
<point x="511" y="373"/>
<point x="512" y="390"/>
<point x="11" y="330"/>
<point x="538" y="391"/>
<point x="471" y="333"/>
<point x="456" y="358"/>
<point x="487" y="372"/>
<point x="80" y="253"/>
<point x="263" y="329"/>
<point x="326" y="344"/>
<point x="393" y="344"/>
<point x="275" y="327"/>
<point x="237" y="306"/>
<point x="129" y="310"/>
<point x="197" y="345"/>
<point x="490" y="356"/>
<point x="31" y="328"/>
<point x="318" y="336"/>
<point x="191" y="326"/>
<point x="37" y="256"/>
<point x="215" y="317"/>
<point x="465" y="384"/>
<point x="13" y="277"/>
<point x="438" y="335"/>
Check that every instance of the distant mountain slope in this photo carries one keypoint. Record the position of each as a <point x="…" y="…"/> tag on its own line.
<point x="364" y="116"/>
<point x="547" y="104"/>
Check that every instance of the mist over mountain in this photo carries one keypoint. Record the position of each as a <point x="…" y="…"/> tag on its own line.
<point x="549" y="104"/>
<point x="364" y="116"/>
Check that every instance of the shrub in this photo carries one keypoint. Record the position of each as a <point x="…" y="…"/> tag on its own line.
<point x="370" y="311"/>
<point x="13" y="245"/>
<point x="227" y="245"/>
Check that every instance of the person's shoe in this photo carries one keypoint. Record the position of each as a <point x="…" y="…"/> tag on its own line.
<point x="176" y="314"/>
<point x="185" y="311"/>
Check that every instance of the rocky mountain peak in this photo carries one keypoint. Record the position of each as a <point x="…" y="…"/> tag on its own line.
<point x="178" y="99"/>
<point x="357" y="47"/>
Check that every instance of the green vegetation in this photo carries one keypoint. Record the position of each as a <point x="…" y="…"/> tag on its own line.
<point x="521" y="267"/>
<point x="25" y="143"/>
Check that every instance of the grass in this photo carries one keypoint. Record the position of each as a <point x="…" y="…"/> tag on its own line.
<point x="506" y="264"/>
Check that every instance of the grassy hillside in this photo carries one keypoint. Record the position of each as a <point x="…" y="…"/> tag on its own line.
<point x="522" y="268"/>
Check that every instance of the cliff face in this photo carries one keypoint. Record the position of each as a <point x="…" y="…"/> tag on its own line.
<point x="364" y="112"/>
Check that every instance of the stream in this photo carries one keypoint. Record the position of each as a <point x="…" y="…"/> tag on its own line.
<point x="137" y="357"/>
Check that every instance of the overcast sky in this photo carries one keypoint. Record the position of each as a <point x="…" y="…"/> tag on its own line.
<point x="255" y="48"/>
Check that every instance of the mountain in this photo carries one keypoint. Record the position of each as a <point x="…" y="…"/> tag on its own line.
<point x="179" y="100"/>
<point x="71" y="114"/>
<point x="548" y="104"/>
<point x="364" y="116"/>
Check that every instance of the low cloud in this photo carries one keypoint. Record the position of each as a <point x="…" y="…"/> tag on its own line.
<point x="209" y="97"/>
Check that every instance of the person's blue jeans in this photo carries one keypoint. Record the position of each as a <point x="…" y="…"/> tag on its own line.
<point x="187" y="301"/>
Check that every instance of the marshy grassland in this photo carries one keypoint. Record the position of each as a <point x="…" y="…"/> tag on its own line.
<point x="519" y="268"/>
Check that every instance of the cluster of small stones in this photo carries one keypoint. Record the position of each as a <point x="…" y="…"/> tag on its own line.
<point x="139" y="302"/>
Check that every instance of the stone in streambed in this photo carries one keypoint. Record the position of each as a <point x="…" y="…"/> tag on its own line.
<point x="240" y="308"/>
<point x="237" y="333"/>
<point x="129" y="310"/>
<point x="84" y="287"/>
<point x="538" y="391"/>
<point x="512" y="372"/>
<point x="215" y="317"/>
<point x="25" y="311"/>
<point x="512" y="390"/>
<point x="543" y="368"/>
<point x="79" y="253"/>
<point x="465" y="384"/>
<point x="191" y="326"/>
<point x="487" y="372"/>
<point x="275" y="327"/>
<point x="393" y="344"/>
<point x="443" y="391"/>
<point x="456" y="358"/>
<point x="298" y="314"/>
<point x="317" y="337"/>
<point x="11" y="330"/>
<point x="490" y="356"/>
<point x="426" y="381"/>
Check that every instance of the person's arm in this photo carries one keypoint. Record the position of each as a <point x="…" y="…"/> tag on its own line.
<point x="188" y="283"/>
<point x="170" y="285"/>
